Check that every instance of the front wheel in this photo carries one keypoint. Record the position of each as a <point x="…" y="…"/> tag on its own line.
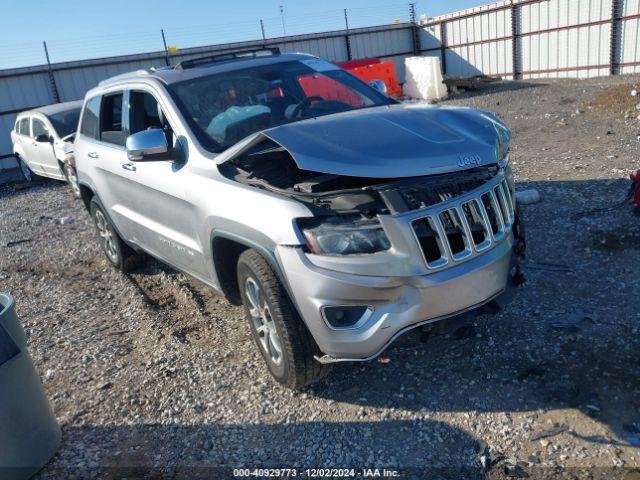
<point x="283" y="339"/>
<point x="25" y="170"/>
<point x="72" y="179"/>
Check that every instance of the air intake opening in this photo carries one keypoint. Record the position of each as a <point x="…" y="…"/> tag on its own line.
<point x="476" y="223"/>
<point x="428" y="240"/>
<point x="491" y="213"/>
<point x="453" y="230"/>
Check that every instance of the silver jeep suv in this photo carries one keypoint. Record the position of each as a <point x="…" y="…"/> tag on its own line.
<point x="337" y="216"/>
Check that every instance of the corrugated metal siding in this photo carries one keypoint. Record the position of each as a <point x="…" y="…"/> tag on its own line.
<point x="570" y="51"/>
<point x="478" y="45"/>
<point x="553" y="38"/>
<point x="630" y="51"/>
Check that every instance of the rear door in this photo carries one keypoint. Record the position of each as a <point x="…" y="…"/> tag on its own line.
<point x="29" y="147"/>
<point x="100" y="155"/>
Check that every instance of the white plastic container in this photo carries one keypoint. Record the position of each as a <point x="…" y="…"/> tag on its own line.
<point x="423" y="78"/>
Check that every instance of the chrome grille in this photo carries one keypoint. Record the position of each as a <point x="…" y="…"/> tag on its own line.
<point x="463" y="227"/>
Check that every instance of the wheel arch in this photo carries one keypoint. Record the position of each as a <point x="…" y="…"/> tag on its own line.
<point x="226" y="250"/>
<point x="86" y="194"/>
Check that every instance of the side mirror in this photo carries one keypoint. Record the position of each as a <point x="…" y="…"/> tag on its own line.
<point x="146" y="143"/>
<point x="44" y="138"/>
<point x="378" y="85"/>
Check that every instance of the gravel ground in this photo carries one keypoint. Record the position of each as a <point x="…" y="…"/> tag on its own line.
<point x="151" y="374"/>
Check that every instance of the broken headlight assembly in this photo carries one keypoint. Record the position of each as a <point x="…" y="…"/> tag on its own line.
<point x="343" y="235"/>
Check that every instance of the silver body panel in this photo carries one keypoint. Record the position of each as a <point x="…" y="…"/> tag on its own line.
<point x="174" y="209"/>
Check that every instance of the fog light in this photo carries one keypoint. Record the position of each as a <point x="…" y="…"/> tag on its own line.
<point x="346" y="316"/>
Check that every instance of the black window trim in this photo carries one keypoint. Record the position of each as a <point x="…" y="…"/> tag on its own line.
<point x="112" y="93"/>
<point x="99" y="141"/>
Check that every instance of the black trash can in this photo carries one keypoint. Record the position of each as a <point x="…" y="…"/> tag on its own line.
<point x="29" y="432"/>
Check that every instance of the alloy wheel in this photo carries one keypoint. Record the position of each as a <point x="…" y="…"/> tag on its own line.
<point x="73" y="179"/>
<point x="107" y="236"/>
<point x="263" y="322"/>
<point x="26" y="173"/>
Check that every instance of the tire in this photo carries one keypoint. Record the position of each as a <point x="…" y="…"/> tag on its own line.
<point x="275" y="322"/>
<point x="26" y="172"/>
<point x="121" y="256"/>
<point x="72" y="179"/>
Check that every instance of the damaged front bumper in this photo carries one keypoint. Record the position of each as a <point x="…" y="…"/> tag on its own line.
<point x="394" y="304"/>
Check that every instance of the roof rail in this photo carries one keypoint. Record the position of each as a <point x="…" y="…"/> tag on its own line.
<point x="225" y="57"/>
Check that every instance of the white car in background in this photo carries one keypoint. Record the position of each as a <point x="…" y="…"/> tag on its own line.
<point x="43" y="142"/>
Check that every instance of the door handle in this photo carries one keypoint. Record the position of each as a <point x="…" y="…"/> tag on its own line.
<point x="129" y="166"/>
<point x="92" y="155"/>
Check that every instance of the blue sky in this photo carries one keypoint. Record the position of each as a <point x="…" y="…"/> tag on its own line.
<point x="78" y="29"/>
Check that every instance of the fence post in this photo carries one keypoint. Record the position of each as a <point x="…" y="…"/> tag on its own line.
<point x="166" y="50"/>
<point x="614" y="53"/>
<point x="347" y="40"/>
<point x="515" y="49"/>
<point x="264" y="37"/>
<point x="415" y="33"/>
<point x="52" y="79"/>
<point x="443" y="47"/>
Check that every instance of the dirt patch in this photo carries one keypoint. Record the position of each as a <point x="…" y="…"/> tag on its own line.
<point x="617" y="99"/>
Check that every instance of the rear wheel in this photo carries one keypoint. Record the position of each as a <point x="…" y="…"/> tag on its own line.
<point x="72" y="179"/>
<point x="120" y="255"/>
<point x="283" y="339"/>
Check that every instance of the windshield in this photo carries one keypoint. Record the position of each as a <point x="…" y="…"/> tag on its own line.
<point x="226" y="107"/>
<point x="65" y="123"/>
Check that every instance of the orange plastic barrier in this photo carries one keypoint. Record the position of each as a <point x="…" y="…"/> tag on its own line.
<point x="385" y="71"/>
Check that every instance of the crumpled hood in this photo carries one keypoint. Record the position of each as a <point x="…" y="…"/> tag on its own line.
<point x="394" y="141"/>
<point x="389" y="142"/>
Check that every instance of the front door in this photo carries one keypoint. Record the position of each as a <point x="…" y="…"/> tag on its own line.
<point x="162" y="217"/>
<point x="43" y="154"/>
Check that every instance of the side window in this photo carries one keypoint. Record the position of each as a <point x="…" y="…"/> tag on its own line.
<point x="146" y="114"/>
<point x="111" y="129"/>
<point x="38" y="128"/>
<point x="24" y="126"/>
<point x="90" y="118"/>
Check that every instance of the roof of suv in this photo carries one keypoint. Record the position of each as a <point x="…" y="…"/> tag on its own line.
<point x="170" y="75"/>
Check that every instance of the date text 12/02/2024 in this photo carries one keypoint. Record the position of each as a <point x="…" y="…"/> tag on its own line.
<point x="316" y="472"/>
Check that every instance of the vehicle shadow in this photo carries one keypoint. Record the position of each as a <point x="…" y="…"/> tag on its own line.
<point x="174" y="451"/>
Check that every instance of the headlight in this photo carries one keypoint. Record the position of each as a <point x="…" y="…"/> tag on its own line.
<point x="343" y="236"/>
